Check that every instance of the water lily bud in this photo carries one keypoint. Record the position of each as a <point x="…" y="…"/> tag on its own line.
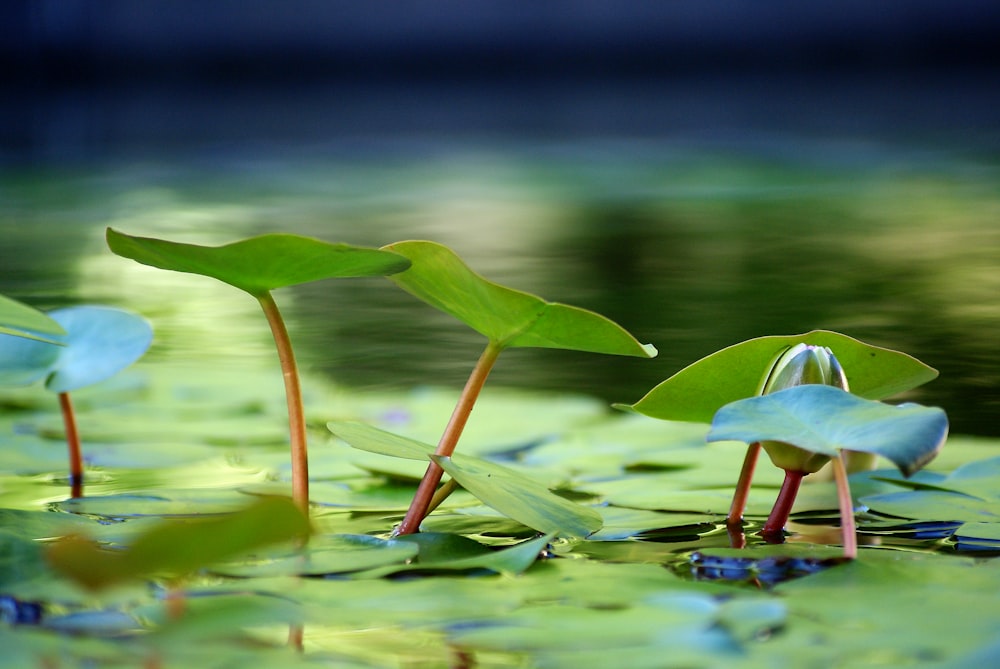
<point x="803" y="364"/>
<point x="800" y="365"/>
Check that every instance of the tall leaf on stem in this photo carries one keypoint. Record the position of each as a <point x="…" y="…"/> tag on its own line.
<point x="98" y="342"/>
<point x="507" y="318"/>
<point x="257" y="266"/>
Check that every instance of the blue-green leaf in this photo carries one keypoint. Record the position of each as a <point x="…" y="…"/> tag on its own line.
<point x="825" y="420"/>
<point x="100" y="342"/>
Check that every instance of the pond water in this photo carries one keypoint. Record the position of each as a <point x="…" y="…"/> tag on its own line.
<point x="691" y="248"/>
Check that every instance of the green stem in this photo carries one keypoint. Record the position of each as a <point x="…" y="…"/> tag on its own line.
<point x="446" y="446"/>
<point x="782" y="505"/>
<point x="847" y="526"/>
<point x="293" y="396"/>
<point x="739" y="505"/>
<point x="73" y="442"/>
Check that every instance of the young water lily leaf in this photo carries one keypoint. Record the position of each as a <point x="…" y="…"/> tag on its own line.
<point x="509" y="492"/>
<point x="180" y="547"/>
<point x="20" y="320"/>
<point x="100" y="342"/>
<point x="696" y="392"/>
<point x="259" y="264"/>
<point x="521" y="498"/>
<point x="24" y="361"/>
<point x="823" y="419"/>
<point x="505" y="316"/>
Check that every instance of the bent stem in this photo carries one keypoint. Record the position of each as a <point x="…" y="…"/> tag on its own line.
<point x="449" y="439"/>
<point x="73" y="442"/>
<point x="775" y="524"/>
<point x="293" y="395"/>
<point x="847" y="526"/>
<point x="739" y="505"/>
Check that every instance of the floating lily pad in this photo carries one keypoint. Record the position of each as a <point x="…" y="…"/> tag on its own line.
<point x="337" y="554"/>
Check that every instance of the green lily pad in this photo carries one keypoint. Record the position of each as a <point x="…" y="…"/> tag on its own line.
<point x="935" y="505"/>
<point x="20" y="320"/>
<point x="696" y="392"/>
<point x="337" y="554"/>
<point x="259" y="264"/>
<point x="825" y="420"/>
<point x="169" y="546"/>
<point x="505" y="316"/>
<point x="450" y="552"/>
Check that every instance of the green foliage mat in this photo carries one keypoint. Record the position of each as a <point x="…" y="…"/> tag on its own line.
<point x="656" y="586"/>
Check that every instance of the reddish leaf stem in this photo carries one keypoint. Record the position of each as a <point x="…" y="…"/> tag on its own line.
<point x="73" y="442"/>
<point x="739" y="505"/>
<point x="449" y="439"/>
<point x="847" y="526"/>
<point x="293" y="396"/>
<point x="782" y="505"/>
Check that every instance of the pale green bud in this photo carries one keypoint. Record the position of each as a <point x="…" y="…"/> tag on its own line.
<point x="804" y="364"/>
<point x="800" y="365"/>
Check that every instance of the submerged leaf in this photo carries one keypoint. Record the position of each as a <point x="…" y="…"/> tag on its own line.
<point x="507" y="317"/>
<point x="823" y="419"/>
<point x="259" y="264"/>
<point x="696" y="392"/>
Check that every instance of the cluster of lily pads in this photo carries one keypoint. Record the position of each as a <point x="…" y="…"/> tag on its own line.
<point x="809" y="401"/>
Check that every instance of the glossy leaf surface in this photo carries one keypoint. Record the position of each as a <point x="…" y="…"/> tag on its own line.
<point x="505" y="316"/>
<point x="521" y="498"/>
<point x="180" y="547"/>
<point x="515" y="495"/>
<point x="825" y="420"/>
<point x="696" y="392"/>
<point x="259" y="264"/>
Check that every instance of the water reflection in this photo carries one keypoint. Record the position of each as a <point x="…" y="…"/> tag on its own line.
<point x="689" y="253"/>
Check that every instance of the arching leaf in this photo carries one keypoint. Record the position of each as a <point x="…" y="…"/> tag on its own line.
<point x="511" y="493"/>
<point x="100" y="342"/>
<point x="259" y="264"/>
<point x="503" y="315"/>
<point x="696" y="392"/>
<point x="21" y="320"/>
<point x="521" y="498"/>
<point x="823" y="419"/>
